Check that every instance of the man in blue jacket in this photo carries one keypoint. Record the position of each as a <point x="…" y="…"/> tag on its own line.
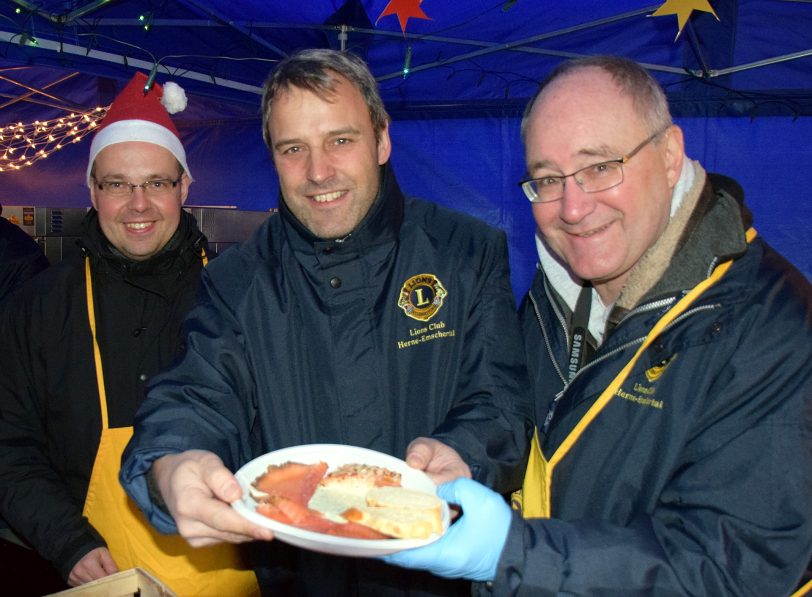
<point x="355" y="316"/>
<point x="670" y="350"/>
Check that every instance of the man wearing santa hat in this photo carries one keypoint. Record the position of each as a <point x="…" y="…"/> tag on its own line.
<point x="78" y="345"/>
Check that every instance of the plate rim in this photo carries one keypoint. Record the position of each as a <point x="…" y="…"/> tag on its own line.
<point x="333" y="544"/>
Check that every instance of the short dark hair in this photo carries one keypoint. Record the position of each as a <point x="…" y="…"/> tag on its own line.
<point x="315" y="70"/>
<point x="646" y="93"/>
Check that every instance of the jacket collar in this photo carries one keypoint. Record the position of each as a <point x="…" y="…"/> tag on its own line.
<point x="713" y="232"/>
<point x="651" y="267"/>
<point x="185" y="247"/>
<point x="380" y="225"/>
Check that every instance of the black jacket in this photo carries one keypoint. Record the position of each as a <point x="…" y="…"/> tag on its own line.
<point x="49" y="405"/>
<point x="20" y="257"/>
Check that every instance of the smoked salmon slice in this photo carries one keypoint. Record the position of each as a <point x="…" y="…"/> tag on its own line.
<point x="289" y="487"/>
<point x="293" y="480"/>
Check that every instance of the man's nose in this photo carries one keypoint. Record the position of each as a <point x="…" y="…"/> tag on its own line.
<point x="138" y="199"/>
<point x="575" y="202"/>
<point x="319" y="166"/>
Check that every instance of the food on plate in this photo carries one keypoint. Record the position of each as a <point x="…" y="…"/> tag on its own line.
<point x="346" y="487"/>
<point x="355" y="500"/>
<point x="399" y="512"/>
<point x="292" y="513"/>
<point x="359" y="478"/>
<point x="292" y="480"/>
<point x="284" y="491"/>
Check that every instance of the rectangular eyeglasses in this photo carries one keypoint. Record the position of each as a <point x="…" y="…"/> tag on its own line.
<point x="154" y="187"/>
<point x="591" y="179"/>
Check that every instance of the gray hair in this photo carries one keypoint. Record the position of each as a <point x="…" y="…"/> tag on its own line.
<point x="635" y="81"/>
<point x="314" y="70"/>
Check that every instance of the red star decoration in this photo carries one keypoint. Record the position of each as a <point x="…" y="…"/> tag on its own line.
<point x="405" y="9"/>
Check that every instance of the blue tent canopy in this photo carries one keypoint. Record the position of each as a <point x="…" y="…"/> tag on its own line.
<point x="740" y="86"/>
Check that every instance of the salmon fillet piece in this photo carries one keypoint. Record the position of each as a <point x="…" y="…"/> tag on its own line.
<point x="292" y="480"/>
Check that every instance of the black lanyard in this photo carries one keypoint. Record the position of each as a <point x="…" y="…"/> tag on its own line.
<point x="580" y="325"/>
<point x="578" y="346"/>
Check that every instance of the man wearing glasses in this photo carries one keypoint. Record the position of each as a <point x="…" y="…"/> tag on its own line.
<point x="670" y="349"/>
<point x="78" y="346"/>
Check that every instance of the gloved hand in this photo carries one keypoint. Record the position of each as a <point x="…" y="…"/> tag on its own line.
<point x="472" y="545"/>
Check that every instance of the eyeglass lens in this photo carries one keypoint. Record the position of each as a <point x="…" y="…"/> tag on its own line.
<point x="150" y="187"/>
<point x="592" y="179"/>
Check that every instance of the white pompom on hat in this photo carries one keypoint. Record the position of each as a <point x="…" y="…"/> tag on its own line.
<point x="139" y="116"/>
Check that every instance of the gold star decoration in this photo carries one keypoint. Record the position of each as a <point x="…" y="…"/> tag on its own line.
<point x="404" y="9"/>
<point x="683" y="10"/>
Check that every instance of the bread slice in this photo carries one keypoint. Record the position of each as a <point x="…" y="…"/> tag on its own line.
<point x="332" y="502"/>
<point x="403" y="499"/>
<point x="399" y="512"/>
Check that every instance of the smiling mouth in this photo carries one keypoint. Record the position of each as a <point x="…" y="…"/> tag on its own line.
<point x="138" y="225"/>
<point x="327" y="197"/>
<point x="592" y="232"/>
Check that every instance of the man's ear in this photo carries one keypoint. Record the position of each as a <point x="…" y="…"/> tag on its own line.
<point x="384" y="145"/>
<point x="92" y="188"/>
<point x="674" y="154"/>
<point x="185" y="182"/>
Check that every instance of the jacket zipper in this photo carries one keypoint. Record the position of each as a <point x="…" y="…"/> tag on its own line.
<point x="653" y="306"/>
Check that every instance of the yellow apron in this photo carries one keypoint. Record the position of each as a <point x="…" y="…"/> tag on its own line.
<point x="533" y="499"/>
<point x="215" y="571"/>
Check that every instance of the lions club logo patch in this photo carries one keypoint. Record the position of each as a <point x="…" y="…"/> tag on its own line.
<point x="422" y="296"/>
<point x="656" y="372"/>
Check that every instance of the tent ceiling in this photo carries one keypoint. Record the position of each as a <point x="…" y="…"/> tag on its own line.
<point x="469" y="57"/>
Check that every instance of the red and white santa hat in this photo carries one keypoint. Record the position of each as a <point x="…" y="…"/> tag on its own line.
<point x="139" y="116"/>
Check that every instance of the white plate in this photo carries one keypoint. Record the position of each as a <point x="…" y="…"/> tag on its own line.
<point x="334" y="455"/>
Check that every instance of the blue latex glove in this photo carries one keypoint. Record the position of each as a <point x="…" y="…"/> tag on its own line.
<point x="472" y="545"/>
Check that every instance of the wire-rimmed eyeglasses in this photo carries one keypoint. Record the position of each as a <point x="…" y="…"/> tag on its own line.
<point x="591" y="179"/>
<point x="154" y="187"/>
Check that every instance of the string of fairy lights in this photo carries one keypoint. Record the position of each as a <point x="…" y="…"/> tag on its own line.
<point x="23" y="144"/>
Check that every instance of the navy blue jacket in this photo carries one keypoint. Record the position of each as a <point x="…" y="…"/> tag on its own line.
<point x="298" y="340"/>
<point x="696" y="477"/>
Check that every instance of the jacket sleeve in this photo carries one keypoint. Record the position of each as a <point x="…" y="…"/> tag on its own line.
<point x="35" y="500"/>
<point x="733" y="516"/>
<point x="489" y="423"/>
<point x="204" y="402"/>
